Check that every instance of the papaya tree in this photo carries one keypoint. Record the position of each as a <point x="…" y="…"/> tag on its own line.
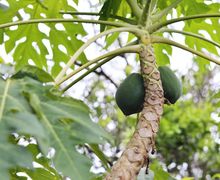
<point x="45" y="133"/>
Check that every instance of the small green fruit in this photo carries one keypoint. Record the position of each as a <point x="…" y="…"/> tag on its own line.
<point x="130" y="94"/>
<point x="171" y="84"/>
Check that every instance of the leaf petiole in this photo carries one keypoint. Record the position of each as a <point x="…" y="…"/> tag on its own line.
<point x="190" y="34"/>
<point x="61" y="20"/>
<point x="85" y="45"/>
<point x="156" y="39"/>
<point x="158" y="26"/>
<point x="127" y="49"/>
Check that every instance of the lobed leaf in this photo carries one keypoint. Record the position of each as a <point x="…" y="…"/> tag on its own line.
<point x="40" y="43"/>
<point x="30" y="109"/>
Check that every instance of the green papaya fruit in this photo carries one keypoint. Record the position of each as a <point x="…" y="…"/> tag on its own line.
<point x="171" y="84"/>
<point x="130" y="94"/>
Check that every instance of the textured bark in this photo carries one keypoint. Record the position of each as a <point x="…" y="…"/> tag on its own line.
<point x="136" y="154"/>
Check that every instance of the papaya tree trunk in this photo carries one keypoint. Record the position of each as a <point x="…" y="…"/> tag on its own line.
<point x="136" y="154"/>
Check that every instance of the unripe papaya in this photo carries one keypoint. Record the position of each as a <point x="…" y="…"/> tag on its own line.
<point x="172" y="86"/>
<point x="130" y="94"/>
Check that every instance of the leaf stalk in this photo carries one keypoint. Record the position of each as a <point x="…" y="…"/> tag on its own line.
<point x="156" y="39"/>
<point x="128" y="49"/>
<point x="61" y="20"/>
<point x="158" y="26"/>
<point x="190" y="34"/>
<point x="85" y="45"/>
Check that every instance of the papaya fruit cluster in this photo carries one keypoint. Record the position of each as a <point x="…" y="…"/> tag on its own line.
<point x="130" y="94"/>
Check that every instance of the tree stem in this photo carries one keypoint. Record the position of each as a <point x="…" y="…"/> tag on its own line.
<point x="136" y="154"/>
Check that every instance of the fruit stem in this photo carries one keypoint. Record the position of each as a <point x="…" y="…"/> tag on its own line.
<point x="85" y="45"/>
<point x="156" y="39"/>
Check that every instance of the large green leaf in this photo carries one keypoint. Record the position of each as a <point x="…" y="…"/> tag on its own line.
<point x="28" y="42"/>
<point x="16" y="117"/>
<point x="29" y="108"/>
<point x="110" y="7"/>
<point x="155" y="171"/>
<point x="11" y="155"/>
<point x="34" y="72"/>
<point x="43" y="170"/>
<point x="162" y="53"/>
<point x="66" y="38"/>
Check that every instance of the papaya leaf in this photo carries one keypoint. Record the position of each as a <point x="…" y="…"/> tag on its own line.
<point x="41" y="42"/>
<point x="7" y="12"/>
<point x="18" y="155"/>
<point x="194" y="7"/>
<point x="45" y="168"/>
<point x="162" y="53"/>
<point x="16" y="114"/>
<point x="1" y="36"/>
<point x="124" y="9"/>
<point x="216" y="176"/>
<point x="159" y="173"/>
<point x="12" y="106"/>
<point x="109" y="7"/>
<point x="98" y="152"/>
<point x="143" y="176"/>
<point x="31" y="109"/>
<point x="68" y="124"/>
<point x="34" y="72"/>
<point x="68" y="41"/>
<point x="111" y="39"/>
<point x="66" y="159"/>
